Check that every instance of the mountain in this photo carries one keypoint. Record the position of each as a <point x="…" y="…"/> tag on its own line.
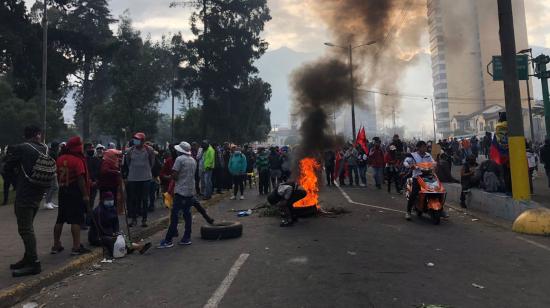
<point x="276" y="67"/>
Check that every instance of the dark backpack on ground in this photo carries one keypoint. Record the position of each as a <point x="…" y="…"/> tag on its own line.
<point x="43" y="170"/>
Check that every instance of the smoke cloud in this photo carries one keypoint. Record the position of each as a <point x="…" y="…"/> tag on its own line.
<point x="395" y="25"/>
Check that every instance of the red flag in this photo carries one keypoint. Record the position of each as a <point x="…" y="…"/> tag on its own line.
<point x="362" y="140"/>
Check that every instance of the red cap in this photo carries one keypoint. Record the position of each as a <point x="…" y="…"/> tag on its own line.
<point x="74" y="144"/>
<point x="140" y="136"/>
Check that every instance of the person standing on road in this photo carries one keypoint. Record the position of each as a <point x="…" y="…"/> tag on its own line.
<point x="351" y="159"/>
<point x="275" y="168"/>
<point x="362" y="164"/>
<point x="9" y="178"/>
<point x="21" y="162"/>
<point x="183" y="173"/>
<point x="262" y="165"/>
<point x="209" y="157"/>
<point x="399" y="146"/>
<point x="49" y="204"/>
<point x="532" y="163"/>
<point x="74" y="195"/>
<point x="376" y="161"/>
<point x="250" y="163"/>
<point x="139" y="161"/>
<point x="237" y="168"/>
<point x="330" y="160"/>
<point x="545" y="158"/>
<point x="392" y="168"/>
<point x="420" y="156"/>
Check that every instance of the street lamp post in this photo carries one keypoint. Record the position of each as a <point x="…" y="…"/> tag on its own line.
<point x="433" y="117"/>
<point x="350" y="49"/>
<point x="45" y="64"/>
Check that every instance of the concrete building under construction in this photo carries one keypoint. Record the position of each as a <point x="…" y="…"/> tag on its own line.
<point x="464" y="36"/>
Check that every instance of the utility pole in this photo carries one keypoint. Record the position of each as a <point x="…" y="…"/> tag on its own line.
<point x="543" y="74"/>
<point x="433" y="119"/>
<point x="352" y="92"/>
<point x="516" y="138"/>
<point x="45" y="65"/>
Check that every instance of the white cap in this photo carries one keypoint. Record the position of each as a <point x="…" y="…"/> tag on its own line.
<point x="184" y="148"/>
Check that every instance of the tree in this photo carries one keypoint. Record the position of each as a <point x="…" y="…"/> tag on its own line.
<point x="136" y="75"/>
<point x="86" y="27"/>
<point x="223" y="58"/>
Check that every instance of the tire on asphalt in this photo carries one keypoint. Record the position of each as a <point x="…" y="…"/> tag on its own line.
<point x="304" y="212"/>
<point x="222" y="230"/>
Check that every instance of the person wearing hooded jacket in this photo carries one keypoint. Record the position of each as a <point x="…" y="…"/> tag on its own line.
<point x="237" y="168"/>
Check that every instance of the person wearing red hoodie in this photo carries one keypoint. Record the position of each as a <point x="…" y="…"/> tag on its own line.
<point x="376" y="161"/>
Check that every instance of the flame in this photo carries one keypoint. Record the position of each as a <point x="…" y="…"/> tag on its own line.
<point x="308" y="180"/>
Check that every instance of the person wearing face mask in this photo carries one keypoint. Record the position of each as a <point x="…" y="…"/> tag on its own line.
<point x="106" y="227"/>
<point x="138" y="161"/>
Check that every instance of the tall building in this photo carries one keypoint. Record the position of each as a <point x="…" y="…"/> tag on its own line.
<point x="464" y="36"/>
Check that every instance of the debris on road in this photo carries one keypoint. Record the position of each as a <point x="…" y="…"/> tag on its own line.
<point x="430" y="264"/>
<point x="30" y="305"/>
<point x="244" y="213"/>
<point x="105" y="260"/>
<point x="475" y="285"/>
<point x="352" y="253"/>
<point x="475" y="219"/>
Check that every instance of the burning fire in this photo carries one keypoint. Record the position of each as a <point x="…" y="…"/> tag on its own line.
<point x="308" y="180"/>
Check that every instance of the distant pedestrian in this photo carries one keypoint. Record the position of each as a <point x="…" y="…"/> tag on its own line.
<point x="262" y="166"/>
<point x="392" y="168"/>
<point x="330" y="160"/>
<point x="362" y="165"/>
<point x="467" y="178"/>
<point x="110" y="178"/>
<point x="532" y="162"/>
<point x="237" y="168"/>
<point x="376" y="161"/>
<point x="209" y="158"/>
<point x="250" y="164"/>
<point x="275" y="168"/>
<point x="74" y="195"/>
<point x="350" y="157"/>
<point x="25" y="161"/>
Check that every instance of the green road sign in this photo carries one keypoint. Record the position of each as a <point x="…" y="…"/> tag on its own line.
<point x="522" y="67"/>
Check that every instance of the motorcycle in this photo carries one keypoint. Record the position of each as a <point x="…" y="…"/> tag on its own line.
<point x="432" y="195"/>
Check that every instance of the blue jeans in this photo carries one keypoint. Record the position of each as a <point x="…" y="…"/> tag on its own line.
<point x="181" y="204"/>
<point x="378" y="175"/>
<point x="208" y="183"/>
<point x="363" y="174"/>
<point x="153" y="187"/>
<point x="353" y="174"/>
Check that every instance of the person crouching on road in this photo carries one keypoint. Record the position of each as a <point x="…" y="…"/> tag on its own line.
<point x="74" y="195"/>
<point x="183" y="173"/>
<point x="106" y="227"/>
<point x="290" y="193"/>
<point x="237" y="168"/>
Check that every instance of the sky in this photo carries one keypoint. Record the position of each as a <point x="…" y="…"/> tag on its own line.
<point x="296" y="26"/>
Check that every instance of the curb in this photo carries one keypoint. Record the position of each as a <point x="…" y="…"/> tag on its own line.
<point x="14" y="294"/>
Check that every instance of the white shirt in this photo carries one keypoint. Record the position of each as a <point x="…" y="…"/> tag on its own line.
<point x="415" y="159"/>
<point x="532" y="159"/>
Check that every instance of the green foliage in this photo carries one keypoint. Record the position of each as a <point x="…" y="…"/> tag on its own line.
<point x="188" y="127"/>
<point x="136" y="77"/>
<point x="233" y="98"/>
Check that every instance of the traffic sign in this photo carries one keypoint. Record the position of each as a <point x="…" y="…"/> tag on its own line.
<point x="522" y="62"/>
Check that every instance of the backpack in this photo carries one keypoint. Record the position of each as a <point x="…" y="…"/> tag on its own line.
<point x="44" y="170"/>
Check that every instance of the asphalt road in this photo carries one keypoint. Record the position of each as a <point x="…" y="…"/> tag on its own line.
<point x="370" y="257"/>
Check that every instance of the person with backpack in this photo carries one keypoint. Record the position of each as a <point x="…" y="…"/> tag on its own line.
<point x="35" y="170"/>
<point x="74" y="195"/>
<point x="237" y="168"/>
<point x="138" y="161"/>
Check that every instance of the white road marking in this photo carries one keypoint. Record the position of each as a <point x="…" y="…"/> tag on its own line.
<point x="534" y="243"/>
<point x="217" y="297"/>
<point x="366" y="205"/>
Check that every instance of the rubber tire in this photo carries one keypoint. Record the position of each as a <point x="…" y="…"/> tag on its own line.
<point x="222" y="230"/>
<point x="436" y="217"/>
<point x="304" y="212"/>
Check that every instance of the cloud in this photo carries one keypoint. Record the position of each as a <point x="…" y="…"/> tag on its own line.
<point x="538" y="26"/>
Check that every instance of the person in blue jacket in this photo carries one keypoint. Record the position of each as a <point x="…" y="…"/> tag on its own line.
<point x="237" y="168"/>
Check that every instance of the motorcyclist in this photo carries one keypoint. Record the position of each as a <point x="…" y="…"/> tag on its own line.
<point x="420" y="156"/>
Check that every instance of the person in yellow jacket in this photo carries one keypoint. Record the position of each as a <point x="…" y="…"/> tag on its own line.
<point x="209" y="162"/>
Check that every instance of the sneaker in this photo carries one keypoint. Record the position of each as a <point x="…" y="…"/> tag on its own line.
<point x="56" y="250"/>
<point x="363" y="185"/>
<point x="165" y="244"/>
<point x="210" y="221"/>
<point x="233" y="198"/>
<point x="185" y="242"/>
<point x="80" y="251"/>
<point x="54" y="205"/>
<point x="48" y="206"/>
<point x="408" y="216"/>
<point x="242" y="197"/>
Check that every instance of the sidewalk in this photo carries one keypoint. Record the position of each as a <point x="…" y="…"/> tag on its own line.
<point x="13" y="249"/>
